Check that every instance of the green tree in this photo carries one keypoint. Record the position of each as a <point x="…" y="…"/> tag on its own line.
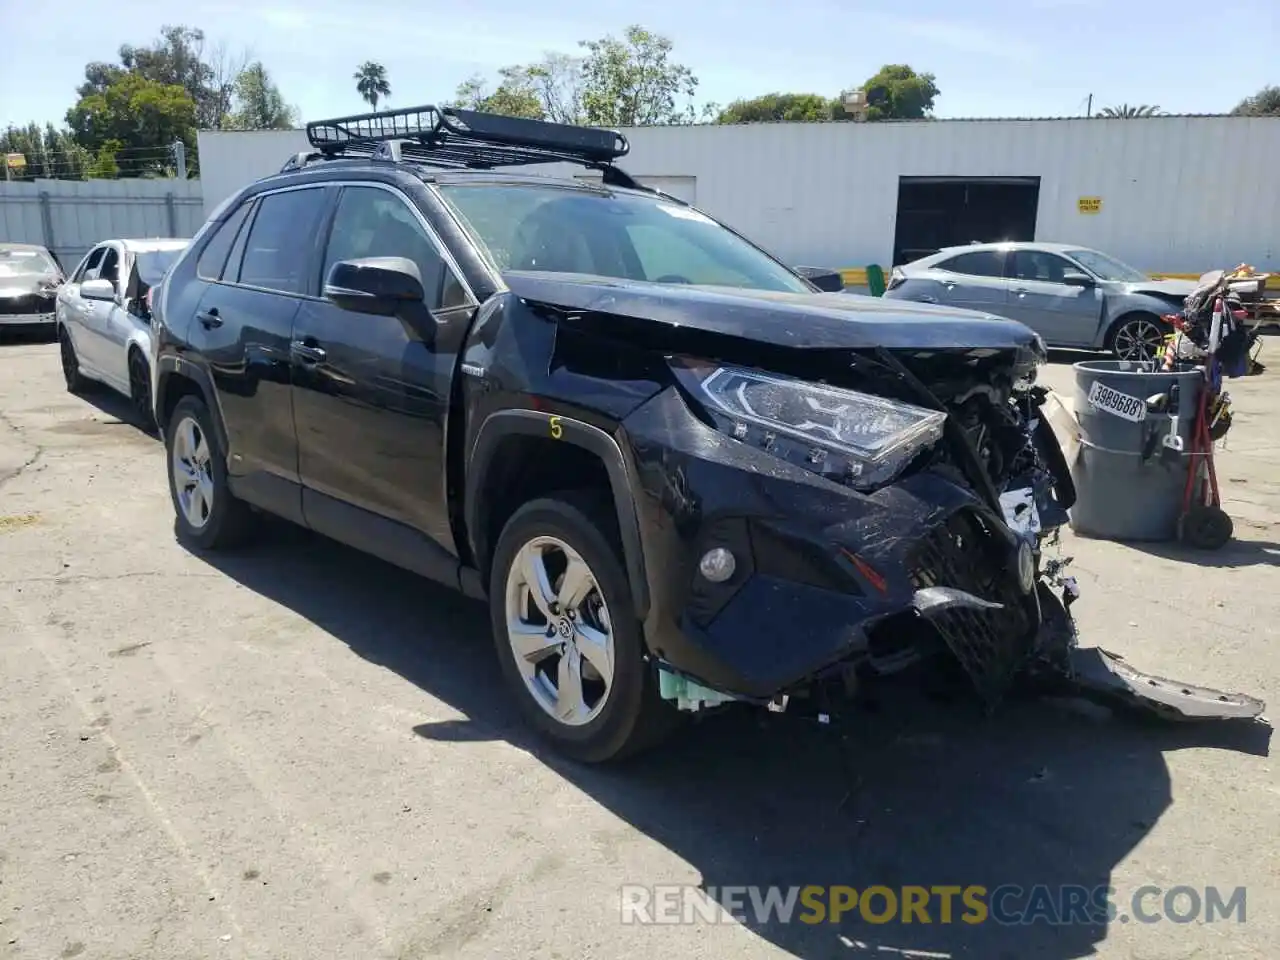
<point x="104" y="165"/>
<point x="1126" y="112"/>
<point x="259" y="105"/>
<point x="1264" y="103"/>
<point x="778" y="107"/>
<point x="513" y="97"/>
<point x="371" y="83"/>
<point x="144" y="117"/>
<point x="896" y="92"/>
<point x="557" y="81"/>
<point x="50" y="154"/>
<point x="634" y="81"/>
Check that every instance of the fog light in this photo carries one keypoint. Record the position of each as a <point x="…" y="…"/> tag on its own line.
<point x="717" y="565"/>
<point x="1026" y="568"/>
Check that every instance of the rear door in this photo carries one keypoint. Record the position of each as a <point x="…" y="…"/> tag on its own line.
<point x="1060" y="312"/>
<point x="243" y="326"/>
<point x="973" y="280"/>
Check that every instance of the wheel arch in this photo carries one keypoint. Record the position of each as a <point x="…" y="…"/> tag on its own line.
<point x="1130" y="313"/>
<point x="177" y="378"/>
<point x="507" y="447"/>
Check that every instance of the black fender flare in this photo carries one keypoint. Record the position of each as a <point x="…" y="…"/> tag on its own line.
<point x="169" y="366"/>
<point x="537" y="423"/>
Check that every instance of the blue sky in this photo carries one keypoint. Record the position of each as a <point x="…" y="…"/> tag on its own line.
<point x="991" y="57"/>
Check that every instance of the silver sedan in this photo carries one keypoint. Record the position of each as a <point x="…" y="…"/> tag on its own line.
<point x="1072" y="296"/>
<point x="104" y="317"/>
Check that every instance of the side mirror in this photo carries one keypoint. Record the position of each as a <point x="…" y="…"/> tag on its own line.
<point x="828" y="281"/>
<point x="379" y="285"/>
<point x="1073" y="279"/>
<point x="98" y="290"/>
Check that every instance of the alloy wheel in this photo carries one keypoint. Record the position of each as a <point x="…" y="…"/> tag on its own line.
<point x="192" y="473"/>
<point x="560" y="631"/>
<point x="1139" y="339"/>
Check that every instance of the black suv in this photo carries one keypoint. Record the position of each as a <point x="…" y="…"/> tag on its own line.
<point x="680" y="472"/>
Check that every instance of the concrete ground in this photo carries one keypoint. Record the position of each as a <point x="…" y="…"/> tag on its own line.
<point x="296" y="751"/>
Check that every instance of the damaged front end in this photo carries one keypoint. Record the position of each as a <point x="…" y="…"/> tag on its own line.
<point x="949" y="561"/>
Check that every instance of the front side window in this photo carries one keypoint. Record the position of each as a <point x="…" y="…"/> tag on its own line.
<point x="110" y="269"/>
<point x="89" y="269"/>
<point x="603" y="233"/>
<point x="278" y="247"/>
<point x="980" y="263"/>
<point x="1107" y="268"/>
<point x="372" y="222"/>
<point x="1039" y="265"/>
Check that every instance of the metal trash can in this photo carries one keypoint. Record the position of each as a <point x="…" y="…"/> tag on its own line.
<point x="1125" y="488"/>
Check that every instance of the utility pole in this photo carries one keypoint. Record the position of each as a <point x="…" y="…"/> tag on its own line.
<point x="180" y="157"/>
<point x="1088" y="111"/>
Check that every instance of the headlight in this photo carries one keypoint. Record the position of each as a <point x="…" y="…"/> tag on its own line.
<point x="845" y="435"/>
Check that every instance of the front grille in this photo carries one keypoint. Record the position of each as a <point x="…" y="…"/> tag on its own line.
<point x="28" y="303"/>
<point x="991" y="645"/>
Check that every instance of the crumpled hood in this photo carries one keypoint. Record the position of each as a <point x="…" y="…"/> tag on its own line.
<point x="1162" y="288"/>
<point x="795" y="320"/>
<point x="21" y="284"/>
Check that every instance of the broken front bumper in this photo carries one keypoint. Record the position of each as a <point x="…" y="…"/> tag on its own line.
<point x="825" y="576"/>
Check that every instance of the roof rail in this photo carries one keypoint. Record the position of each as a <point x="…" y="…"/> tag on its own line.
<point x="453" y="138"/>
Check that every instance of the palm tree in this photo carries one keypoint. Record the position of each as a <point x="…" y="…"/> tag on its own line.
<point x="1126" y="112"/>
<point x="371" y="83"/>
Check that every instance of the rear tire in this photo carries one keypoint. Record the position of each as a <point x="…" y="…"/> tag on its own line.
<point x="612" y="710"/>
<point x="207" y="515"/>
<point x="75" y="380"/>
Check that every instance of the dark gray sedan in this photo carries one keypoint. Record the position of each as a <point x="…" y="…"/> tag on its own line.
<point x="1072" y="296"/>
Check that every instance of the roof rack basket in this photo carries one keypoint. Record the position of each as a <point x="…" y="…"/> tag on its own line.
<point x="453" y="138"/>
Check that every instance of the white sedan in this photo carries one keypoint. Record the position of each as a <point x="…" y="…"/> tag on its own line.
<point x="104" y="317"/>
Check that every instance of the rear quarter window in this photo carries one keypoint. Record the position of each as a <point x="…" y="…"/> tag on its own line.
<point x="214" y="256"/>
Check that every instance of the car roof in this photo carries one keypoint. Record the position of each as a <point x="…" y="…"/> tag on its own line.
<point x="153" y="243"/>
<point x="7" y="245"/>
<point x="336" y="169"/>
<point x="1006" y="246"/>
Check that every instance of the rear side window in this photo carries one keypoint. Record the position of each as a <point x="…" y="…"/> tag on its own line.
<point x="281" y="239"/>
<point x="980" y="263"/>
<point x="214" y="256"/>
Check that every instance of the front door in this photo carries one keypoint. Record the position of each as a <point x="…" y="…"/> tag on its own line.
<point x="1062" y="313"/>
<point x="371" y="393"/>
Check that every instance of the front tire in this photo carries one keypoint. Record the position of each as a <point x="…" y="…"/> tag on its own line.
<point x="1138" y="337"/>
<point x="208" y="515"/>
<point x="567" y="635"/>
<point x="75" y="380"/>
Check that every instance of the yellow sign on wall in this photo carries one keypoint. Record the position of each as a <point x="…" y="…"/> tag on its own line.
<point x="1089" y="204"/>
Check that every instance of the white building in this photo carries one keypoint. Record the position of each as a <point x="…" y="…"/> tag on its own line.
<point x="1174" y="195"/>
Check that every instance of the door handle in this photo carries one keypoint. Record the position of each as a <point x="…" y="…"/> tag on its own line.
<point x="209" y="318"/>
<point x="306" y="352"/>
<point x="928" y="299"/>
<point x="1021" y="291"/>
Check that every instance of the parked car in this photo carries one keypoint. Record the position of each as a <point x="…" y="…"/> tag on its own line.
<point x="104" y="317"/>
<point x="30" y="276"/>
<point x="1072" y="296"/>
<point x="680" y="474"/>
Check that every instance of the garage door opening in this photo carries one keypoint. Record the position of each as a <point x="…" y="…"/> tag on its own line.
<point x="937" y="212"/>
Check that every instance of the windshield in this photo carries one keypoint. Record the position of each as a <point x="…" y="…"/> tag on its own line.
<point x="1107" y="268"/>
<point x="153" y="264"/>
<point x="25" y="262"/>
<point x="600" y="233"/>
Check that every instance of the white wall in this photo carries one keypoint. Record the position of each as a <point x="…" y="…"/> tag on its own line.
<point x="1180" y="194"/>
<point x="71" y="216"/>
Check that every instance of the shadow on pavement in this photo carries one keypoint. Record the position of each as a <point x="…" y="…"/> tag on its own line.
<point x="118" y="406"/>
<point x="1236" y="553"/>
<point x="926" y="795"/>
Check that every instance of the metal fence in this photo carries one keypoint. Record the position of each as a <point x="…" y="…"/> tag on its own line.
<point x="70" y="216"/>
